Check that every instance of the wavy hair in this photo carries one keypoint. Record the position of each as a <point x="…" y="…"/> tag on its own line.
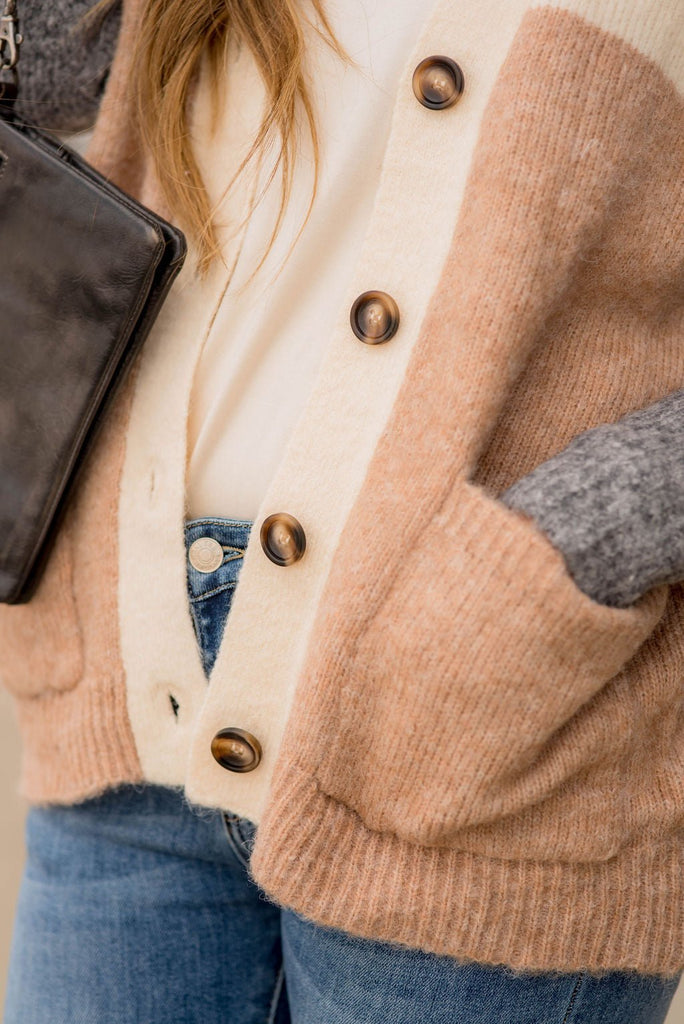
<point x="175" y="36"/>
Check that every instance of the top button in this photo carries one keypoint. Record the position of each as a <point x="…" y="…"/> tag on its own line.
<point x="282" y="538"/>
<point x="438" y="82"/>
<point x="205" y="554"/>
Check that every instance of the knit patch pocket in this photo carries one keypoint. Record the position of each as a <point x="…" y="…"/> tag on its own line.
<point x="41" y="646"/>
<point x="486" y="705"/>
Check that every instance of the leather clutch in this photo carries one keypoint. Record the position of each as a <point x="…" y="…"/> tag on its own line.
<point x="85" y="270"/>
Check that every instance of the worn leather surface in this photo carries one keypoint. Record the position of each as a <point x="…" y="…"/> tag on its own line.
<point x="84" y="272"/>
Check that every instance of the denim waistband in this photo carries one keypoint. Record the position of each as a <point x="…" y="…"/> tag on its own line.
<point x="215" y="548"/>
<point x="232" y="535"/>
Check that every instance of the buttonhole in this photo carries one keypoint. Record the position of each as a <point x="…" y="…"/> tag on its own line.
<point x="153" y="481"/>
<point x="174" y="704"/>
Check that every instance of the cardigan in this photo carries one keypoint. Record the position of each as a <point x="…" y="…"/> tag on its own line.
<point x="462" y="751"/>
<point x="611" y="502"/>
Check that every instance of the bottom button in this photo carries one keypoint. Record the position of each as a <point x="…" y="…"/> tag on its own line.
<point x="236" y="750"/>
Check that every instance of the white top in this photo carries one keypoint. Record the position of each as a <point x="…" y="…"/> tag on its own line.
<point x="253" y="380"/>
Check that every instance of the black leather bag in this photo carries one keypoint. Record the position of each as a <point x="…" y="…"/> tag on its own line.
<point x="84" y="271"/>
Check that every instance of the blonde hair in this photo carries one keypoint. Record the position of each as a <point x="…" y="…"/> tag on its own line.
<point x="175" y="36"/>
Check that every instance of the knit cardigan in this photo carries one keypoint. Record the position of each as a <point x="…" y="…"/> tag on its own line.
<point x="463" y="752"/>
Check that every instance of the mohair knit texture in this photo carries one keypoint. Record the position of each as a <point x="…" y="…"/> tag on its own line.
<point x="64" y="62"/>
<point x="613" y="503"/>
<point x="462" y="751"/>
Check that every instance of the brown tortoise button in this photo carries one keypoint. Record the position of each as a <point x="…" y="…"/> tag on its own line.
<point x="236" y="750"/>
<point x="374" y="317"/>
<point x="438" y="82"/>
<point x="282" y="538"/>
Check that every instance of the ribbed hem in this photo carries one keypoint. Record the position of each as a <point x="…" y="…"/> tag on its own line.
<point x="316" y="857"/>
<point x="76" y="744"/>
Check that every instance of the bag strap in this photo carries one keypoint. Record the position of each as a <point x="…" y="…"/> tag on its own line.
<point x="10" y="41"/>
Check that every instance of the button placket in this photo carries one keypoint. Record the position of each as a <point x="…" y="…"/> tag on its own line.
<point x="438" y="83"/>
<point x="284" y="542"/>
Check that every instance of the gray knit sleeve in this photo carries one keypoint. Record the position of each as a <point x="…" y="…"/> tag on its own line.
<point x="612" y="502"/>
<point x="63" y="67"/>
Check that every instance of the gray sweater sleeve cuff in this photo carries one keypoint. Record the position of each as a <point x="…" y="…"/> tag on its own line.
<point x="62" y="66"/>
<point x="612" y="502"/>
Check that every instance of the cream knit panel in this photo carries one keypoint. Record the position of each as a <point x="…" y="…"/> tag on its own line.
<point x="422" y="182"/>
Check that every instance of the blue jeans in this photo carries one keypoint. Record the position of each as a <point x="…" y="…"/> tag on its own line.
<point x="138" y="908"/>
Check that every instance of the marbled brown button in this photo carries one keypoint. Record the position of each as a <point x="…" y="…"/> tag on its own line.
<point x="283" y="538"/>
<point x="438" y="82"/>
<point x="236" y="750"/>
<point x="374" y="317"/>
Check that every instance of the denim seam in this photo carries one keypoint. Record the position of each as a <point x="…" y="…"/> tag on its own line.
<point x="202" y="637"/>
<point x="211" y="593"/>
<point x="573" y="998"/>
<point x="217" y="522"/>
<point x="276" y="995"/>
<point x="247" y="841"/>
<point x="240" y="854"/>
